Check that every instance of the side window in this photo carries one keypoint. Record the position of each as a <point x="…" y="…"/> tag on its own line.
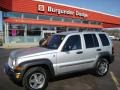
<point x="104" y="40"/>
<point x="73" y="43"/>
<point x="96" y="44"/>
<point x="91" y="40"/>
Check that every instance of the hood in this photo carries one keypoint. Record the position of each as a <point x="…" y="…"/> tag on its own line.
<point x="28" y="51"/>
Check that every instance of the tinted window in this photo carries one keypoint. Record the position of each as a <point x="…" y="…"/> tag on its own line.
<point x="73" y="43"/>
<point x="55" y="41"/>
<point x="104" y="40"/>
<point x="91" y="40"/>
<point x="96" y="44"/>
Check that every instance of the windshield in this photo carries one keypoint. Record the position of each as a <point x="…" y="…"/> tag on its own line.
<point x="55" y="41"/>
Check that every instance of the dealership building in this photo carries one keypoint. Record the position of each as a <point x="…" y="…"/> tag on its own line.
<point x="28" y="21"/>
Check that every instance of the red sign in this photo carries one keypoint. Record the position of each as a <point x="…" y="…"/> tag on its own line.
<point x="41" y="8"/>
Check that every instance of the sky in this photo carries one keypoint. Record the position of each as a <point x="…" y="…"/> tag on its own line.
<point x="106" y="6"/>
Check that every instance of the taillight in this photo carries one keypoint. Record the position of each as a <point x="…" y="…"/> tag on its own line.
<point x="112" y="50"/>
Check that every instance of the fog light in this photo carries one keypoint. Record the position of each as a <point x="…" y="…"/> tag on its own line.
<point x="18" y="75"/>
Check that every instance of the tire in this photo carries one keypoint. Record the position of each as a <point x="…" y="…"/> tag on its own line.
<point x="35" y="79"/>
<point x="102" y="67"/>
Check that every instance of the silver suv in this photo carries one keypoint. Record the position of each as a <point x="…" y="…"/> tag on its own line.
<point x="66" y="52"/>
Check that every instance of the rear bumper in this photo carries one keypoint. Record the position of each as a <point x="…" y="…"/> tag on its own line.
<point x="12" y="74"/>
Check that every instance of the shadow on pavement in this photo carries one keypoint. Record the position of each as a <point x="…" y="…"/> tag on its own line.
<point x="71" y="75"/>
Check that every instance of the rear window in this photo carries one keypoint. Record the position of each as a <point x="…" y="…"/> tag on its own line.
<point x="91" y="40"/>
<point x="104" y="40"/>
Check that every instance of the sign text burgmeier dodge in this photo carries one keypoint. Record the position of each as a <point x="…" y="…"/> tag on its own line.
<point x="51" y="9"/>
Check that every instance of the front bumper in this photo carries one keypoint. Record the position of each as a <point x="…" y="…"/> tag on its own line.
<point x="12" y="74"/>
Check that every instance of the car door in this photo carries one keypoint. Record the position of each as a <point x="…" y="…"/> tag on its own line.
<point x="92" y="49"/>
<point x="68" y="59"/>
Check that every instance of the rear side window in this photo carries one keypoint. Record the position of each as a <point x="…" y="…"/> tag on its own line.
<point x="95" y="40"/>
<point x="104" y="39"/>
<point x="91" y="40"/>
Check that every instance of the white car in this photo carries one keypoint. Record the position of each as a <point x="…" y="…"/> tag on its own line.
<point x="65" y="53"/>
<point x="114" y="38"/>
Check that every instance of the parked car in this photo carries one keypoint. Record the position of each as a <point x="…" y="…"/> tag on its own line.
<point x="114" y="38"/>
<point x="65" y="53"/>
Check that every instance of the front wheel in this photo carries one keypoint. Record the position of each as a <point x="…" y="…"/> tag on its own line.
<point x="102" y="67"/>
<point x="35" y="79"/>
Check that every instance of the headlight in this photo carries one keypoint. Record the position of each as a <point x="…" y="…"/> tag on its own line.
<point x="14" y="63"/>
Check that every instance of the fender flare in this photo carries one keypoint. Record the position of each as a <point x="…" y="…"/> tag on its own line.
<point x="37" y="62"/>
<point x="106" y="55"/>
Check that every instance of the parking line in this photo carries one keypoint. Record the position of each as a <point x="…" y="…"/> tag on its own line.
<point x="115" y="80"/>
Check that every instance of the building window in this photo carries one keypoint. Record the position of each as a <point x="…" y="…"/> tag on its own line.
<point x="77" y="20"/>
<point x="72" y="29"/>
<point x="85" y="21"/>
<point x="67" y="19"/>
<point x="57" y="18"/>
<point x="17" y="26"/>
<point x="34" y="27"/>
<point x="98" y="23"/>
<point x="12" y="14"/>
<point x="81" y="29"/>
<point x="48" y="28"/>
<point x="44" y="17"/>
<point x="61" y="29"/>
<point x="16" y="29"/>
<point x="34" y="30"/>
<point x="16" y="32"/>
<point x="95" y="22"/>
<point x="32" y="16"/>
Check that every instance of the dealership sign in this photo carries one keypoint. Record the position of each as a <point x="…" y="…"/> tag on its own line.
<point x="51" y="9"/>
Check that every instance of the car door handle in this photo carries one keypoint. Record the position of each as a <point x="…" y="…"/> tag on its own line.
<point x="80" y="52"/>
<point x="98" y="49"/>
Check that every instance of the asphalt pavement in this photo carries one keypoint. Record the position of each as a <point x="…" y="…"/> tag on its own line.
<point x="75" y="81"/>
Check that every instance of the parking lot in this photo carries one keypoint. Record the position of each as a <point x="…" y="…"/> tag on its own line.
<point x="75" y="81"/>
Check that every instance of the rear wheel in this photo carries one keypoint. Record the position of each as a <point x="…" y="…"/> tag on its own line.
<point x="35" y="79"/>
<point x="102" y="67"/>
